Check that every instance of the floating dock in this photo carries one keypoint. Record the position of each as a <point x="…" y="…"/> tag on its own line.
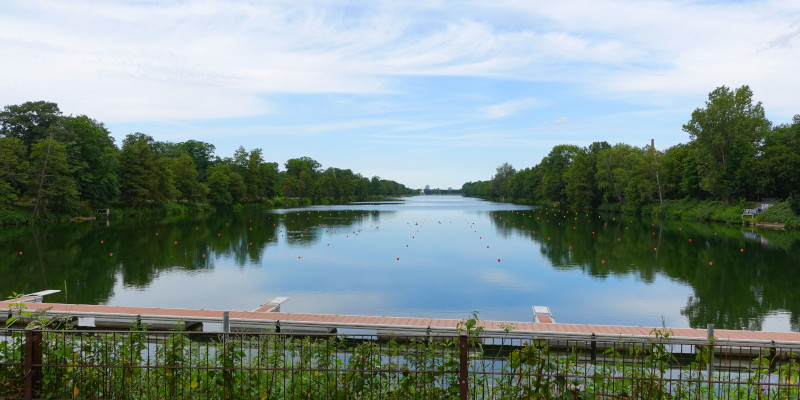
<point x="269" y="317"/>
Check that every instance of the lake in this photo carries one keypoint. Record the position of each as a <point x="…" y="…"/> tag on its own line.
<point x="423" y="256"/>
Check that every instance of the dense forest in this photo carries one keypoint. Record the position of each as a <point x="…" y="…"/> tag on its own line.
<point x="52" y="165"/>
<point x="735" y="155"/>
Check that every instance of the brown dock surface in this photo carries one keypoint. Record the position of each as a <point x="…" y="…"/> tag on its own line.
<point x="260" y="319"/>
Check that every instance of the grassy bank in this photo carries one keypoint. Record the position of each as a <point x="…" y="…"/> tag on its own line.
<point x="780" y="214"/>
<point x="23" y="214"/>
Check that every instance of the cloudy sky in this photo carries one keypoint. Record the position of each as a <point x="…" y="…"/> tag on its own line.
<point x="422" y="92"/>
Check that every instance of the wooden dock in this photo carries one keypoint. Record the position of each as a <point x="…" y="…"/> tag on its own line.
<point x="267" y="318"/>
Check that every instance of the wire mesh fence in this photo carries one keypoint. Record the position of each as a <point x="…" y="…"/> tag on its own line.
<point x="140" y="364"/>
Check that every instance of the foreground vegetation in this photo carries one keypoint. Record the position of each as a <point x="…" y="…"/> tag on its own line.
<point x="148" y="365"/>
<point x="54" y="167"/>
<point x="734" y="160"/>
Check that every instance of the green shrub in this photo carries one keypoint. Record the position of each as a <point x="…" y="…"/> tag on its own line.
<point x="14" y="216"/>
<point x="779" y="213"/>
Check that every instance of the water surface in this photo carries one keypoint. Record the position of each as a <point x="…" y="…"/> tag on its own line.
<point x="427" y="256"/>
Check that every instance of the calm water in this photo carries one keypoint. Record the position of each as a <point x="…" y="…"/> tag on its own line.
<point x="433" y="256"/>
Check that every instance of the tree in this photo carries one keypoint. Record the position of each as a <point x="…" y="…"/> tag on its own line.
<point x="201" y="152"/>
<point x="93" y="159"/>
<point x="13" y="169"/>
<point x="681" y="178"/>
<point x="579" y="177"/>
<point x="142" y="180"/>
<point x="50" y="180"/>
<point x="503" y="172"/>
<point x="29" y="121"/>
<point x="728" y="133"/>
<point x="296" y="165"/>
<point x="185" y="177"/>
<point x="218" y="186"/>
<point x="554" y="166"/>
<point x="225" y="186"/>
<point x="779" y="165"/>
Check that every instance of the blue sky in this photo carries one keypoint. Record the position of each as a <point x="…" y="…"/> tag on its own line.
<point x="433" y="92"/>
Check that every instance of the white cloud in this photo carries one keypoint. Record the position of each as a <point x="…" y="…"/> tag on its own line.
<point x="510" y="107"/>
<point x="128" y="61"/>
<point x="561" y="121"/>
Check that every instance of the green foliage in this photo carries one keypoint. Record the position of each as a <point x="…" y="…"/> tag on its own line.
<point x="727" y="131"/>
<point x="734" y="153"/>
<point x="141" y="365"/>
<point x="68" y="166"/>
<point x="781" y="213"/>
<point x="794" y="203"/>
<point x="50" y="181"/>
<point x="15" y="216"/>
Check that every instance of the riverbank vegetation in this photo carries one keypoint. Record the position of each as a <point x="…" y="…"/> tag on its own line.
<point x="736" y="159"/>
<point x="57" y="167"/>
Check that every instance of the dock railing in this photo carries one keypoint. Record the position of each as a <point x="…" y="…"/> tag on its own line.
<point x="140" y="364"/>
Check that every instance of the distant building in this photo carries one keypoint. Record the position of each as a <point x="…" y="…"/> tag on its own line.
<point x="427" y="187"/>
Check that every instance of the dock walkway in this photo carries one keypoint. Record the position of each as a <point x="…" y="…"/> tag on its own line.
<point x="116" y="317"/>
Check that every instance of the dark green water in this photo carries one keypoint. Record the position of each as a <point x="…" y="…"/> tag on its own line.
<point x="434" y="256"/>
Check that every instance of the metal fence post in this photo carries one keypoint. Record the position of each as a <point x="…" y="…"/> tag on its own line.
<point x="33" y="363"/>
<point x="463" y="373"/>
<point x="710" y="365"/>
<point x="594" y="348"/>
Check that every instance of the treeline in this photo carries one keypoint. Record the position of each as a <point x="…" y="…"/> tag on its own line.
<point x="67" y="165"/>
<point x="735" y="154"/>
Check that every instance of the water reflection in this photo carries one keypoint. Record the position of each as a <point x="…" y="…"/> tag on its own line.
<point x="433" y="256"/>
<point x="739" y="276"/>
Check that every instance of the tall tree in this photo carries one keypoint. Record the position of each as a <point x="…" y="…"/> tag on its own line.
<point x="142" y="180"/>
<point x="51" y="183"/>
<point x="13" y="169"/>
<point x="554" y="167"/>
<point x="93" y="159"/>
<point x="503" y="172"/>
<point x="29" y="122"/>
<point x="779" y="165"/>
<point x="728" y="132"/>
<point x="185" y="178"/>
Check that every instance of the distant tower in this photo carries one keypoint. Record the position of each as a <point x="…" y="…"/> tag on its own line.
<point x="427" y="187"/>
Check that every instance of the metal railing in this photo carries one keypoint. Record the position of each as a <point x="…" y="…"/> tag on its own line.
<point x="178" y="365"/>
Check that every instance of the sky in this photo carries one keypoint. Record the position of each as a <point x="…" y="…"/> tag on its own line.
<point x="432" y="93"/>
